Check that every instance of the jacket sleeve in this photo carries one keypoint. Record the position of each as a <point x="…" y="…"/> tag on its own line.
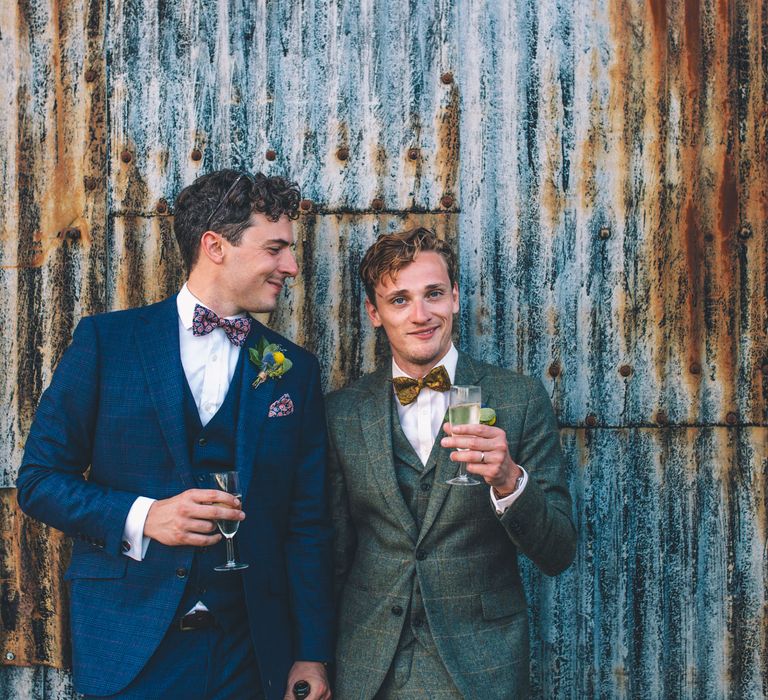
<point x="539" y="522"/>
<point x="51" y="483"/>
<point x="308" y="545"/>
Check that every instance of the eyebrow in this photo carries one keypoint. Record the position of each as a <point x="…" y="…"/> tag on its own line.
<point x="406" y="292"/>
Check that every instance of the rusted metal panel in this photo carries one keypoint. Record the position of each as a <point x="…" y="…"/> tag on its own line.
<point x="38" y="683"/>
<point x="603" y="170"/>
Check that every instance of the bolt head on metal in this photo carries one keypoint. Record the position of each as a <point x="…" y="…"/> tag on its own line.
<point x="605" y="233"/>
<point x="625" y="370"/>
<point x="413" y="154"/>
<point x="126" y="156"/>
<point x="377" y="204"/>
<point x="306" y="205"/>
<point x="554" y="369"/>
<point x="162" y="206"/>
<point x="196" y="154"/>
<point x="446" y="201"/>
<point x="72" y="234"/>
<point x="731" y="418"/>
<point x="745" y="232"/>
<point x="662" y="418"/>
<point x="446" y="78"/>
<point x="342" y="153"/>
<point x="591" y="420"/>
<point x="695" y="368"/>
<point x="270" y="154"/>
<point x="90" y="75"/>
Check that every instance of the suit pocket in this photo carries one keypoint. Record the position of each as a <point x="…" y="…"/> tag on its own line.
<point x="502" y="602"/>
<point x="96" y="565"/>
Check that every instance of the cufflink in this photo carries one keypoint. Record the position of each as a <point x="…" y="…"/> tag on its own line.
<point x="126" y="546"/>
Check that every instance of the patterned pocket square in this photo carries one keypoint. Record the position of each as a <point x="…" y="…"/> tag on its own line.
<point x="282" y="407"/>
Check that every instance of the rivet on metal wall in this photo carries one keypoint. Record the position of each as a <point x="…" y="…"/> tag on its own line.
<point x="72" y="234"/>
<point x="446" y="78"/>
<point x="745" y="232"/>
<point x="554" y="369"/>
<point x="342" y="153"/>
<point x="413" y="153"/>
<point x="731" y="418"/>
<point x="446" y="201"/>
<point x="90" y="183"/>
<point x="162" y="206"/>
<point x="625" y="370"/>
<point x="604" y="233"/>
<point x="270" y="154"/>
<point x="661" y="417"/>
<point x="196" y="154"/>
<point x="90" y="75"/>
<point x="306" y="205"/>
<point x="695" y="368"/>
<point x="126" y="156"/>
<point x="708" y="238"/>
<point x="591" y="420"/>
<point x="10" y="655"/>
<point x="377" y="204"/>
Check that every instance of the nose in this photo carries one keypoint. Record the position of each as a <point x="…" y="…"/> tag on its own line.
<point x="289" y="266"/>
<point x="419" y="312"/>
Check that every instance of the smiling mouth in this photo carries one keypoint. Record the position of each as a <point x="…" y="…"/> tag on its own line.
<point x="425" y="333"/>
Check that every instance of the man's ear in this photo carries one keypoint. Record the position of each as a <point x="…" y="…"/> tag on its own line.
<point x="455" y="295"/>
<point x="212" y="247"/>
<point x="373" y="313"/>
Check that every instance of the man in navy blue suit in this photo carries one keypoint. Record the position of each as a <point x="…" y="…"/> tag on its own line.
<point x="155" y="399"/>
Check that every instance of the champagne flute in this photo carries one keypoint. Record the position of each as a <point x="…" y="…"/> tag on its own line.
<point x="464" y="409"/>
<point x="229" y="482"/>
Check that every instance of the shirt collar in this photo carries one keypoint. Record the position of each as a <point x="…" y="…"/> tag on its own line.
<point x="186" y="302"/>
<point x="449" y="361"/>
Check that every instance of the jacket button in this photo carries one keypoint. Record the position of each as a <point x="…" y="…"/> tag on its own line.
<point x="202" y="442"/>
<point x="181" y="572"/>
<point x="425" y="486"/>
<point x="397" y="610"/>
<point x="421" y="555"/>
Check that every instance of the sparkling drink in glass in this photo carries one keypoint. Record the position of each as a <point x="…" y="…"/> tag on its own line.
<point x="464" y="409"/>
<point x="230" y="482"/>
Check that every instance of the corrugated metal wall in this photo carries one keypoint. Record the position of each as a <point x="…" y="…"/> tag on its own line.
<point x="602" y="167"/>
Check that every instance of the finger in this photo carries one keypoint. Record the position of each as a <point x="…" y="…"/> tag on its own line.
<point x="197" y="540"/>
<point x="217" y="512"/>
<point x="468" y="442"/>
<point x="204" y="496"/>
<point x="200" y="526"/>
<point x="479" y="429"/>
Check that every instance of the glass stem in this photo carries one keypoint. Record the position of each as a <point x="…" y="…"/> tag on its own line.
<point x="230" y="551"/>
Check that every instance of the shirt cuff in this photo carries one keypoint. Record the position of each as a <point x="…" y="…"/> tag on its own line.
<point x="501" y="504"/>
<point x="135" y="543"/>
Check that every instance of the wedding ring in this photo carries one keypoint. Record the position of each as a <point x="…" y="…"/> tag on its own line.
<point x="482" y="457"/>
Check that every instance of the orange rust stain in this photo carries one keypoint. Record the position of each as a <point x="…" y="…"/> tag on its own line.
<point x="447" y="156"/>
<point x="659" y="14"/>
<point x="694" y="260"/>
<point x="729" y="205"/>
<point x="693" y="40"/>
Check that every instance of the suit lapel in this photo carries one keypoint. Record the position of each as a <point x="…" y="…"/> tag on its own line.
<point x="252" y="412"/>
<point x="158" y="344"/>
<point x="376" y="425"/>
<point x="467" y="372"/>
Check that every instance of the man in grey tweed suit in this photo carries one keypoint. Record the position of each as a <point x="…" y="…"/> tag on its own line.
<point x="431" y="601"/>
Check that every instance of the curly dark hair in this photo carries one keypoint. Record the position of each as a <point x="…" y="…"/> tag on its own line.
<point x="393" y="251"/>
<point x="223" y="201"/>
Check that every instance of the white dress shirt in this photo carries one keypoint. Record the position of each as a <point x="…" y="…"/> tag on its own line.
<point x="421" y="421"/>
<point x="209" y="362"/>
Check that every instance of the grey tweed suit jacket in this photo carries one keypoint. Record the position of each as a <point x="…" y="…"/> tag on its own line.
<point x="465" y="556"/>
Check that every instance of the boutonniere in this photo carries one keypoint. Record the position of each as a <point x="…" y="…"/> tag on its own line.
<point x="270" y="359"/>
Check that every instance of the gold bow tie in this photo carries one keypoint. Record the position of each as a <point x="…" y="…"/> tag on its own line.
<point x="408" y="389"/>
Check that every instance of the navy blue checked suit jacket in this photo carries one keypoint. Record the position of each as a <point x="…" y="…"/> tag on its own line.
<point x="115" y="403"/>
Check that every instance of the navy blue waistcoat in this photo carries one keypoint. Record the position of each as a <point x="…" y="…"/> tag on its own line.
<point x="211" y="449"/>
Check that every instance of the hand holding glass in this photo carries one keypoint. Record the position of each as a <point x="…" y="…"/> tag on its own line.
<point x="464" y="409"/>
<point x="229" y="482"/>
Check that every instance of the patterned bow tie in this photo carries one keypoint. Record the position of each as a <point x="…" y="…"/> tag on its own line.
<point x="408" y="389"/>
<point x="205" y="320"/>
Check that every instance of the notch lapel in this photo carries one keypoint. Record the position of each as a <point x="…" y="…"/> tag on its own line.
<point x="376" y="424"/>
<point x="158" y="344"/>
<point x="252" y="411"/>
<point x="467" y="372"/>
